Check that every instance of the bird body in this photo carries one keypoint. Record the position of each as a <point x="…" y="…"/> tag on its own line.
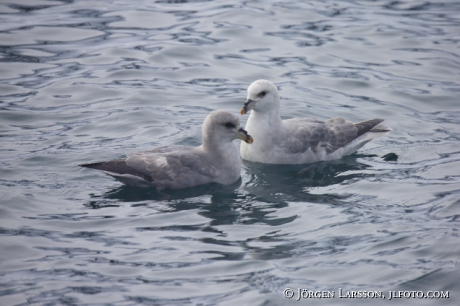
<point x="299" y="140"/>
<point x="173" y="167"/>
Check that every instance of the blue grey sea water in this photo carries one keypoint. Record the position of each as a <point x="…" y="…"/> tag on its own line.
<point x="84" y="81"/>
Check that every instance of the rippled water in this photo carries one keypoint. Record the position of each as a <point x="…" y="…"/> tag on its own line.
<point x="83" y="81"/>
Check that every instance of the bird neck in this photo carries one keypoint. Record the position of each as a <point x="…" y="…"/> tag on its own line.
<point x="216" y="146"/>
<point x="266" y="128"/>
<point x="270" y="118"/>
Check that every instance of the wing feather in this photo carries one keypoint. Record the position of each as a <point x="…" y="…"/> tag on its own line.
<point x="118" y="166"/>
<point x="178" y="167"/>
<point x="162" y="167"/>
<point x="331" y="134"/>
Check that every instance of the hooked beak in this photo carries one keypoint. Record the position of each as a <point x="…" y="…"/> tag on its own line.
<point x="248" y="105"/>
<point x="243" y="135"/>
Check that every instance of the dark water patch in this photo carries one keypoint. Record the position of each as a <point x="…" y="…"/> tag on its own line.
<point x="69" y="217"/>
<point x="255" y="50"/>
<point x="320" y="26"/>
<point x="299" y="37"/>
<point x="31" y="232"/>
<point x="14" y="57"/>
<point x="173" y="228"/>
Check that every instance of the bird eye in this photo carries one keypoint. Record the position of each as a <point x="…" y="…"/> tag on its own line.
<point x="229" y="125"/>
<point x="262" y="93"/>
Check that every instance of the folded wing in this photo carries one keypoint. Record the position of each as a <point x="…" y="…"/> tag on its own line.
<point x="164" y="167"/>
<point x="331" y="134"/>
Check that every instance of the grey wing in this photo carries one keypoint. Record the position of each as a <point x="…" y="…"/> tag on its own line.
<point x="181" y="166"/>
<point x="339" y="133"/>
<point x="331" y="134"/>
<point x="169" y="149"/>
<point x="118" y="166"/>
<point x="304" y="134"/>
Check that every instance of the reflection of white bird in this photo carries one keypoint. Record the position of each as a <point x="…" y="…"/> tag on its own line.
<point x="216" y="160"/>
<point x="299" y="140"/>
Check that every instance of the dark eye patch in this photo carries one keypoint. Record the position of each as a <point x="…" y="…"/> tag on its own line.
<point x="262" y="93"/>
<point x="229" y="125"/>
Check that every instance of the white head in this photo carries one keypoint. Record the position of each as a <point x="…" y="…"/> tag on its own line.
<point x="222" y="126"/>
<point x="262" y="97"/>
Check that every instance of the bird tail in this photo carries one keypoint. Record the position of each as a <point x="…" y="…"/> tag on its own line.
<point x="116" y="168"/>
<point x="367" y="130"/>
<point x="372" y="125"/>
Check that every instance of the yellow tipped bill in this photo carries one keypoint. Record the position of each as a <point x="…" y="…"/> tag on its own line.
<point x="243" y="135"/>
<point x="248" y="105"/>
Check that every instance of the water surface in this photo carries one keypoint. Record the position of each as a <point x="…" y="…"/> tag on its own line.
<point x="83" y="81"/>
